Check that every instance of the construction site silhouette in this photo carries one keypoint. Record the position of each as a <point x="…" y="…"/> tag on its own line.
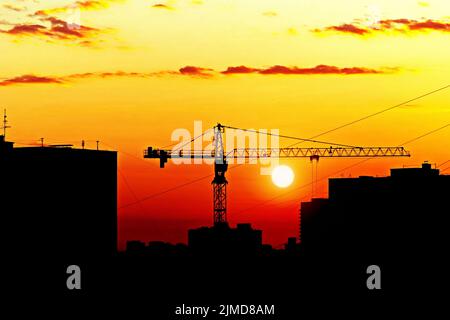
<point x="64" y="202"/>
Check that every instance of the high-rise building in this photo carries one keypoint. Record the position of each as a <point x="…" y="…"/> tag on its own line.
<point x="403" y="213"/>
<point x="58" y="201"/>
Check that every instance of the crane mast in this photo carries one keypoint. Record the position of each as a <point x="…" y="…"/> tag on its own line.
<point x="219" y="182"/>
<point x="220" y="157"/>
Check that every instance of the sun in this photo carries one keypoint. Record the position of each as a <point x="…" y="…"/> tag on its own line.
<point x="282" y="176"/>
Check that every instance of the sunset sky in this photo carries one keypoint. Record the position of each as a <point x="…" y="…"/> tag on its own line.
<point x="130" y="72"/>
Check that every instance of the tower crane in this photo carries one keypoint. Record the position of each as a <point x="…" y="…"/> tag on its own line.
<point x="220" y="157"/>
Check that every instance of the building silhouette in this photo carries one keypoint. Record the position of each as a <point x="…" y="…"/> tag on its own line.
<point x="221" y="239"/>
<point x="60" y="201"/>
<point x="314" y="215"/>
<point x="363" y="218"/>
<point x="59" y="208"/>
<point x="159" y="249"/>
<point x="371" y="217"/>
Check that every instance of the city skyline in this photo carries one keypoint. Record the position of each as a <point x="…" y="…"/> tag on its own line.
<point x="128" y="73"/>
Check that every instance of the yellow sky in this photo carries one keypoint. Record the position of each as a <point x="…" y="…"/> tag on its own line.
<point x="136" y="37"/>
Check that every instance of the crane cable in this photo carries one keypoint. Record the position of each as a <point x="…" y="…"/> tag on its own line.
<point x="318" y="135"/>
<point x="281" y="195"/>
<point x="339" y="171"/>
<point x="192" y="140"/>
<point x="376" y="113"/>
<point x="442" y="163"/>
<point x="291" y="137"/>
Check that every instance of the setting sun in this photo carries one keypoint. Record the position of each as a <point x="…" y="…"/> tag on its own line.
<point x="282" y="176"/>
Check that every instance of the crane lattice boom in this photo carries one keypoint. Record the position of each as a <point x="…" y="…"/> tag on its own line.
<point x="254" y="153"/>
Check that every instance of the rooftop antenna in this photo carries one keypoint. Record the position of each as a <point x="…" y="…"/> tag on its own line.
<point x="5" y="124"/>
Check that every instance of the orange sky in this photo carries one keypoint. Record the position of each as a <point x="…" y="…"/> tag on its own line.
<point x="129" y="72"/>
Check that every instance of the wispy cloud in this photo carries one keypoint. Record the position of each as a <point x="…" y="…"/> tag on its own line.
<point x="320" y="69"/>
<point x="6" y="23"/>
<point x="95" y="4"/>
<point x="423" y="4"/>
<point x="34" y="79"/>
<point x="85" y="5"/>
<point x="163" y="6"/>
<point x="58" y="24"/>
<point x="70" y="78"/>
<point x="14" y="7"/>
<point x="195" y="72"/>
<point x="55" y="29"/>
<point x="51" y="29"/>
<point x="388" y="25"/>
<point x="347" y="28"/>
<point x="270" y="13"/>
<point x="240" y="70"/>
<point x="29" y="79"/>
<point x="115" y="74"/>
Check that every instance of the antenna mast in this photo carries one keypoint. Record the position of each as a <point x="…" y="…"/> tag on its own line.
<point x="5" y="124"/>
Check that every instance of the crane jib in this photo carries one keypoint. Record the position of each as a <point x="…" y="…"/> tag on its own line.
<point x="253" y="153"/>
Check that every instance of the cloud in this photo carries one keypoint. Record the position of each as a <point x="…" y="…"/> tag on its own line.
<point x="29" y="79"/>
<point x="6" y="23"/>
<point x="350" y="28"/>
<point x="51" y="28"/>
<point x="60" y="24"/>
<point x="320" y="69"/>
<point x="115" y="74"/>
<point x="240" y="70"/>
<point x="270" y="13"/>
<point x="292" y="31"/>
<point x="26" y="29"/>
<point x="93" y="5"/>
<point x="58" y="30"/>
<point x="33" y="79"/>
<point x="196" y="71"/>
<point x="429" y="24"/>
<point x="86" y="5"/>
<point x="388" y="25"/>
<point x="14" y="7"/>
<point x="162" y="6"/>
<point x="423" y="4"/>
<point x="60" y="27"/>
<point x="66" y="79"/>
